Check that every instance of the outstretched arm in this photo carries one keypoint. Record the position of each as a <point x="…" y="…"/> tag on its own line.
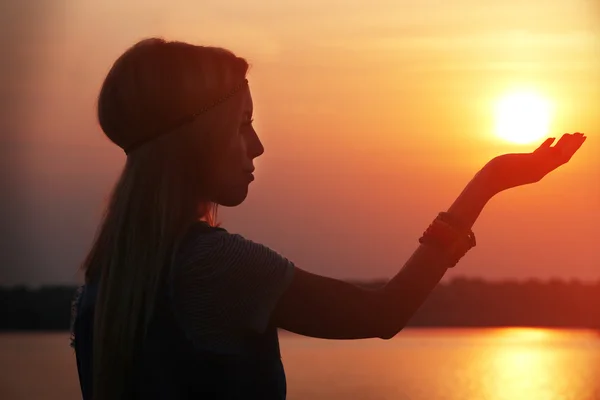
<point x="328" y="308"/>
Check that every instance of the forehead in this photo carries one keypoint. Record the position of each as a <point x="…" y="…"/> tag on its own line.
<point x="248" y="104"/>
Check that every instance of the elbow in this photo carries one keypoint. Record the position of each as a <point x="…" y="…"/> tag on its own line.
<point x="387" y="336"/>
<point x="391" y="320"/>
<point x="391" y="325"/>
<point x="389" y="333"/>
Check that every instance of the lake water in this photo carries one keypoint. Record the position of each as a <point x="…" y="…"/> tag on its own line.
<point x="419" y="364"/>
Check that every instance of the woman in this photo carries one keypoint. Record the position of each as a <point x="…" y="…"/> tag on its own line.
<point x="174" y="307"/>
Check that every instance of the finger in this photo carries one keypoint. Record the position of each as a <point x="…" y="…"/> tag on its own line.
<point x="564" y="139"/>
<point x="576" y="144"/>
<point x="547" y="143"/>
<point x="570" y="148"/>
<point x="577" y="136"/>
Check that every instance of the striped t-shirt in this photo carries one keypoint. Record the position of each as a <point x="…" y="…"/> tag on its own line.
<point x="225" y="287"/>
<point x="212" y="336"/>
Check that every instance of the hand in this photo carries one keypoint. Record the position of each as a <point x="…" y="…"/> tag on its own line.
<point x="511" y="170"/>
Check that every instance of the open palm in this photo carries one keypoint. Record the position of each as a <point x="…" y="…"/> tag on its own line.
<point x="511" y="170"/>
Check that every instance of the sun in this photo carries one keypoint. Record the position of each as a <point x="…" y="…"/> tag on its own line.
<point x="523" y="117"/>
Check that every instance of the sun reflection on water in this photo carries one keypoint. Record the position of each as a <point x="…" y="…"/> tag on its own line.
<point x="448" y="364"/>
<point x="525" y="365"/>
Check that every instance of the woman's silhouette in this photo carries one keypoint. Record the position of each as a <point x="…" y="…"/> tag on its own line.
<point x="174" y="307"/>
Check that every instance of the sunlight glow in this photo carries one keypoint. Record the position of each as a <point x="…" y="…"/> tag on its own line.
<point x="525" y="334"/>
<point x="523" y="117"/>
<point x="524" y="365"/>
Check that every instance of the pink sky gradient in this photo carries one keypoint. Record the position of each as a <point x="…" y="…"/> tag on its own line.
<point x="374" y="116"/>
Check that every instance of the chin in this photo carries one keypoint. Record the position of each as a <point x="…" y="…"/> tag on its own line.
<point x="233" y="199"/>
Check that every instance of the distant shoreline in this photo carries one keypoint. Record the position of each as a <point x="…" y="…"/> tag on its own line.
<point x="412" y="329"/>
<point x="460" y="303"/>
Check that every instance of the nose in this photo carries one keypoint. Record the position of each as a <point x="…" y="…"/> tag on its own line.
<point x="255" y="147"/>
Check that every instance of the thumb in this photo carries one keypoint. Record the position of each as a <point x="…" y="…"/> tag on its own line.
<point x="547" y="143"/>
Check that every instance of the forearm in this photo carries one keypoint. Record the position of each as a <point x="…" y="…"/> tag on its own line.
<point x="406" y="292"/>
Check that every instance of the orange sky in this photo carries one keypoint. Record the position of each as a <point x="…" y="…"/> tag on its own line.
<point x="374" y="115"/>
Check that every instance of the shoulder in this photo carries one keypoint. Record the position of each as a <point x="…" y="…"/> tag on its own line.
<point x="208" y="245"/>
<point x="224" y="282"/>
<point x="200" y="238"/>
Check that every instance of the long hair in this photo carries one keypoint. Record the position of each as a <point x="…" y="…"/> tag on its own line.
<point x="161" y="191"/>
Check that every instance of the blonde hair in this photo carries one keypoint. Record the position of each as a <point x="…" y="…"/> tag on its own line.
<point x="161" y="190"/>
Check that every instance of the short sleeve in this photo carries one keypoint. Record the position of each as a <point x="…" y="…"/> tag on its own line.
<point x="226" y="285"/>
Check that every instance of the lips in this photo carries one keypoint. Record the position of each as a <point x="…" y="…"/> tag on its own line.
<point x="250" y="175"/>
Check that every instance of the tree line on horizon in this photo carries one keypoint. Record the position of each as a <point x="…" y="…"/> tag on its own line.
<point x="461" y="302"/>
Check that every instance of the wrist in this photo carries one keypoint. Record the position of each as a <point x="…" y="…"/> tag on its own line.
<point x="469" y="204"/>
<point x="482" y="185"/>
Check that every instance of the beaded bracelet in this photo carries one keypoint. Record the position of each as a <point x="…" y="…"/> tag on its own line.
<point x="447" y="233"/>
<point x="458" y="225"/>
